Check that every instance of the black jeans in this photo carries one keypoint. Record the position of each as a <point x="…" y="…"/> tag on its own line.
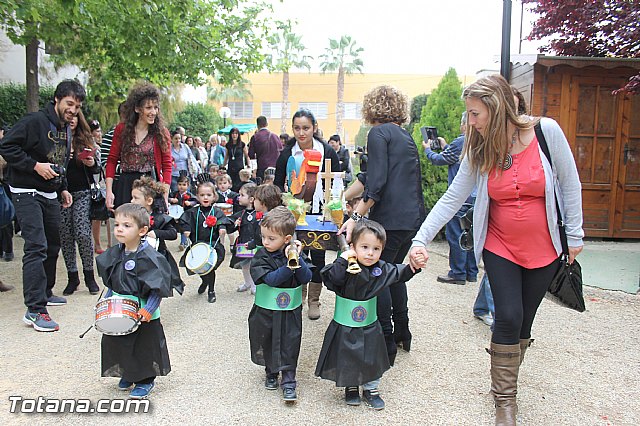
<point x="39" y="220"/>
<point x="517" y="293"/>
<point x="393" y="300"/>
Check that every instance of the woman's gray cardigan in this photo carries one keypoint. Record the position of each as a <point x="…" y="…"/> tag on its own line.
<point x="564" y="176"/>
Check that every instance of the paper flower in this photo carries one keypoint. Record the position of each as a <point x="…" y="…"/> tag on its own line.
<point x="150" y="221"/>
<point x="259" y="215"/>
<point x="185" y="196"/>
<point x="229" y="200"/>
<point x="210" y="221"/>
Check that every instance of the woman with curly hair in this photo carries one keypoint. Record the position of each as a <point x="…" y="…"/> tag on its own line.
<point x="75" y="223"/>
<point x="393" y="197"/>
<point x="140" y="143"/>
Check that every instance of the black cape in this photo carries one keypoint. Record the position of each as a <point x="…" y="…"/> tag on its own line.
<point x="274" y="336"/>
<point x="248" y="229"/>
<point x="143" y="353"/>
<point x="164" y="227"/>
<point x="148" y="271"/>
<point x="194" y="216"/>
<point x="353" y="356"/>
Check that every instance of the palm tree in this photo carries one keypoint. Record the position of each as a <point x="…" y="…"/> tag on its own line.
<point x="219" y="92"/>
<point x="341" y="55"/>
<point x="287" y="54"/>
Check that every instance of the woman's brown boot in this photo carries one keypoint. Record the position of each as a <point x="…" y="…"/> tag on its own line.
<point x="505" y="365"/>
<point x="524" y="344"/>
<point x="314" y="300"/>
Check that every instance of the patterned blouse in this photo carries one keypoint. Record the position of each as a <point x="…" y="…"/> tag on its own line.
<point x="138" y="158"/>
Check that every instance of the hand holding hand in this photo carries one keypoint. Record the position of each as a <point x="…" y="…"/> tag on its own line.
<point x="418" y="257"/>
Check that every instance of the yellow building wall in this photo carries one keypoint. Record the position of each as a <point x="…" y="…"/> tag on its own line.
<point x="318" y="87"/>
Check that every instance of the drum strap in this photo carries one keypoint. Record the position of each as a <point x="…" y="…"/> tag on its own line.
<point x="278" y="299"/>
<point x="198" y="227"/>
<point x="355" y="313"/>
<point x="141" y="301"/>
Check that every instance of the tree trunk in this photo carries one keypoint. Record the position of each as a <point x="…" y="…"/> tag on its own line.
<point x="285" y="102"/>
<point x="340" y="104"/>
<point x="33" y="87"/>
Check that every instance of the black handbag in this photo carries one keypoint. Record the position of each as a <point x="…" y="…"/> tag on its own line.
<point x="566" y="285"/>
<point x="98" y="208"/>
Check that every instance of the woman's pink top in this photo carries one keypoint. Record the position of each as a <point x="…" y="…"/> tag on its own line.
<point x="518" y="229"/>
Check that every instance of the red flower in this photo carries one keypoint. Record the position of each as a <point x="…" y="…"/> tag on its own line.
<point x="259" y="215"/>
<point x="150" y="221"/>
<point x="185" y="197"/>
<point x="229" y="200"/>
<point x="211" y="221"/>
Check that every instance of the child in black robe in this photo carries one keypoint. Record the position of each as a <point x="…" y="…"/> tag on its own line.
<point x="275" y="321"/>
<point x="207" y="224"/>
<point x="149" y="193"/>
<point x="354" y="351"/>
<point x="185" y="199"/>
<point x="136" y="271"/>
<point x="246" y="222"/>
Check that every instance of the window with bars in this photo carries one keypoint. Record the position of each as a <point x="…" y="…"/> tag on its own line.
<point x="240" y="109"/>
<point x="352" y="111"/>
<point x="274" y="109"/>
<point x="319" y="109"/>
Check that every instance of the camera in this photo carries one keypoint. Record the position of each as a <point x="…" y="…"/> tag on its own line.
<point x="61" y="171"/>
<point x="430" y="134"/>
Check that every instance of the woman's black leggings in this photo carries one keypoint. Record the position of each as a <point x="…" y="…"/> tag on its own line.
<point x="517" y="293"/>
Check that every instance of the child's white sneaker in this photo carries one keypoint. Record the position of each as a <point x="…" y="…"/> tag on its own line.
<point x="243" y="287"/>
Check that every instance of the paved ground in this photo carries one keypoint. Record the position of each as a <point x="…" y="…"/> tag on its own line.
<point x="584" y="369"/>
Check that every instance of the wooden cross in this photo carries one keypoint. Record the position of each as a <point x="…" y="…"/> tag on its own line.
<point x="328" y="176"/>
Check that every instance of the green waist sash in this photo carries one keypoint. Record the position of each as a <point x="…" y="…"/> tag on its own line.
<point x="143" y="303"/>
<point x="355" y="313"/>
<point x="278" y="299"/>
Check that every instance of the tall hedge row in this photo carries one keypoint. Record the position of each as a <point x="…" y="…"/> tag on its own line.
<point x="13" y="101"/>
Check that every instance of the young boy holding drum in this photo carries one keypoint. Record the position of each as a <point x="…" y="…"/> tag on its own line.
<point x="206" y="226"/>
<point x="275" y="321"/>
<point x="135" y="271"/>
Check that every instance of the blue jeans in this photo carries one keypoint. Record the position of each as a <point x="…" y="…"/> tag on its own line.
<point x="462" y="263"/>
<point x="484" y="299"/>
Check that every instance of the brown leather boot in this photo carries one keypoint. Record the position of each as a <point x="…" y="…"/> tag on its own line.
<point x="4" y="287"/>
<point x="505" y="365"/>
<point x="314" y="300"/>
<point x="524" y="344"/>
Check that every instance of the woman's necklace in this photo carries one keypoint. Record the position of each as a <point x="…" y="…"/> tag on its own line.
<point x="506" y="165"/>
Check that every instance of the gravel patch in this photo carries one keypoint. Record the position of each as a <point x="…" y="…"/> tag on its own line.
<point x="583" y="369"/>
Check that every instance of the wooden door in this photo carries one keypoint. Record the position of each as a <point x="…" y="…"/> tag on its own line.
<point x="605" y="130"/>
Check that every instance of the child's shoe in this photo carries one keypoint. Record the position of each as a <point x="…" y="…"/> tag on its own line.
<point x="271" y="382"/>
<point x="289" y="394"/>
<point x="352" y="395"/>
<point x="181" y="247"/>
<point x="253" y="289"/>
<point x="202" y="288"/>
<point x="141" y="391"/>
<point x="243" y="287"/>
<point x="372" y="398"/>
<point x="211" y="297"/>
<point x="124" y="385"/>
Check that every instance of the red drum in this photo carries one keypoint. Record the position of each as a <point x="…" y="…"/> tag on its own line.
<point x="116" y="316"/>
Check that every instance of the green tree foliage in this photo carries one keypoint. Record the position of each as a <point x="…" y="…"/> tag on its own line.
<point x="13" y="104"/>
<point x="361" y="136"/>
<point x="417" y="103"/>
<point x="443" y="110"/>
<point x="198" y="120"/>
<point x="287" y="53"/>
<point x="119" y="41"/>
<point x="342" y="56"/>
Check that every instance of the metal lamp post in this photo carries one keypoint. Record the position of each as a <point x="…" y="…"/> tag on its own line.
<point x="225" y="112"/>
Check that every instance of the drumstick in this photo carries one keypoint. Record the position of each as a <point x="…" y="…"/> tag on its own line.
<point x="88" y="330"/>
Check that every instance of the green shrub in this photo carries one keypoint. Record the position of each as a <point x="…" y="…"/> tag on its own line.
<point x="198" y="120"/>
<point x="13" y="101"/>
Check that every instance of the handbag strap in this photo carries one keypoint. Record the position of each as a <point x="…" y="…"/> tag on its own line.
<point x="545" y="149"/>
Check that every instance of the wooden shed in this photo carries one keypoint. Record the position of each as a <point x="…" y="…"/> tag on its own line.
<point x="603" y="130"/>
